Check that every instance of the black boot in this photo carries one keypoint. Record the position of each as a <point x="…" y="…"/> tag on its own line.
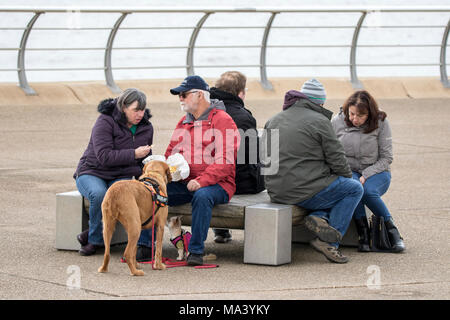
<point x="83" y="237"/>
<point x="394" y="236"/>
<point x="89" y="249"/>
<point x="362" y="226"/>
<point x="222" y="235"/>
<point x="143" y="254"/>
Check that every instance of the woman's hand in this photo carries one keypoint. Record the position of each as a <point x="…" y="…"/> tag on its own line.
<point x="362" y="180"/>
<point x="141" y="152"/>
<point x="193" y="185"/>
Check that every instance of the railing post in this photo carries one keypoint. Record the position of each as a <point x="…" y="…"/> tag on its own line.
<point x="23" y="82"/>
<point x="262" y="61"/>
<point x="108" y="70"/>
<point x="443" y="60"/>
<point x="353" y="76"/>
<point x="191" y="47"/>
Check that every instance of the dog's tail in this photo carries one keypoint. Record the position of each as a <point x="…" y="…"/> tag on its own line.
<point x="109" y="224"/>
<point x="109" y="216"/>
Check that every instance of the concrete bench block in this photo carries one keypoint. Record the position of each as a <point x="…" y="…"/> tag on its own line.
<point x="268" y="234"/>
<point x="72" y="219"/>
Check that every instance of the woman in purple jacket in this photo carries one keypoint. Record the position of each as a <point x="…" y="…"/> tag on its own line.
<point x="121" y="137"/>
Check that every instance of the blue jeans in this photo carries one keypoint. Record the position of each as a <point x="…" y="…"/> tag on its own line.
<point x="374" y="187"/>
<point x="203" y="200"/>
<point x="336" y="203"/>
<point x="94" y="189"/>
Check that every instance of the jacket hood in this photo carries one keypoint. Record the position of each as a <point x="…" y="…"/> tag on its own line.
<point x="215" y="104"/>
<point x="109" y="107"/>
<point x="225" y="96"/>
<point x="294" y="97"/>
<point x="291" y="97"/>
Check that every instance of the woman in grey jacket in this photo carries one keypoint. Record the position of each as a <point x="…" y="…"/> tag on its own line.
<point x="366" y="137"/>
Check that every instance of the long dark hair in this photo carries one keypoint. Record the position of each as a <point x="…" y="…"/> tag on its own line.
<point x="366" y="104"/>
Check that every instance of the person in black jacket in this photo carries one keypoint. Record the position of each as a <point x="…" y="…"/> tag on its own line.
<point x="230" y="88"/>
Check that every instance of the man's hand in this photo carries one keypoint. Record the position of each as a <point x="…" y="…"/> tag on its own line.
<point x="193" y="185"/>
<point x="362" y="180"/>
<point x="141" y="152"/>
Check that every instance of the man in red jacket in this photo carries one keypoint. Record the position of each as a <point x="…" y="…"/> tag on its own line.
<point x="208" y="139"/>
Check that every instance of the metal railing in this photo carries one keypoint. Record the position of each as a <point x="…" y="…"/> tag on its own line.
<point x="207" y="12"/>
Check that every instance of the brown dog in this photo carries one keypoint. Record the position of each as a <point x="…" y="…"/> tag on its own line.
<point x="130" y="203"/>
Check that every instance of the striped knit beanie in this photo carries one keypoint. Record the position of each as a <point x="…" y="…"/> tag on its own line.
<point x="315" y="91"/>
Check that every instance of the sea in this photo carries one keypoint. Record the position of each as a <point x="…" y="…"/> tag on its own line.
<point x="419" y="35"/>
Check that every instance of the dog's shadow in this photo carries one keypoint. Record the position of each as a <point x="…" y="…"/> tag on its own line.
<point x="229" y="253"/>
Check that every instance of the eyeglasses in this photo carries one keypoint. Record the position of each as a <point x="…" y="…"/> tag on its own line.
<point x="185" y="94"/>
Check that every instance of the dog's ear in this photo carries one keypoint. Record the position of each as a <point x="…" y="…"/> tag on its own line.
<point x="143" y="170"/>
<point x="145" y="167"/>
<point x="168" y="174"/>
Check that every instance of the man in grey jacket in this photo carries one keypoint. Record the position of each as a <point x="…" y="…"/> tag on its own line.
<point x="312" y="169"/>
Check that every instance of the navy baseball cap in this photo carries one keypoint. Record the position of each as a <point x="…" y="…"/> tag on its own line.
<point x="189" y="83"/>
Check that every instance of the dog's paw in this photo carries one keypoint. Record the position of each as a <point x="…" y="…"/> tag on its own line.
<point x="102" y="269"/>
<point x="138" y="273"/>
<point x="160" y="266"/>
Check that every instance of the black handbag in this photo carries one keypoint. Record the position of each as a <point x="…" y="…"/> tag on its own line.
<point x="379" y="238"/>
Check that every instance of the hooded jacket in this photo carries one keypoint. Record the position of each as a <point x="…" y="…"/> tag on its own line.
<point x="310" y="155"/>
<point x="209" y="144"/>
<point x="367" y="153"/>
<point x="110" y="152"/>
<point x="248" y="176"/>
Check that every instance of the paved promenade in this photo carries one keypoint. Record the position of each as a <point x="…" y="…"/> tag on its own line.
<point x="39" y="149"/>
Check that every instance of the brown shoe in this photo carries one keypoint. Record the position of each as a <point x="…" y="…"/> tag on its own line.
<point x="322" y="229"/>
<point x="330" y="252"/>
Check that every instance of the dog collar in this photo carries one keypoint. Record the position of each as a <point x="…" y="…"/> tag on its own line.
<point x="159" y="199"/>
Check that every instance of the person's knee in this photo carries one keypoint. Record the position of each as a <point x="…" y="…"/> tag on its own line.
<point x="96" y="196"/>
<point x="357" y="188"/>
<point x="203" y="196"/>
<point x="370" y="191"/>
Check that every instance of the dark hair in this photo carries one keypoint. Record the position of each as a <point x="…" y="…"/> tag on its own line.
<point x="365" y="104"/>
<point x="232" y="82"/>
<point x="129" y="96"/>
